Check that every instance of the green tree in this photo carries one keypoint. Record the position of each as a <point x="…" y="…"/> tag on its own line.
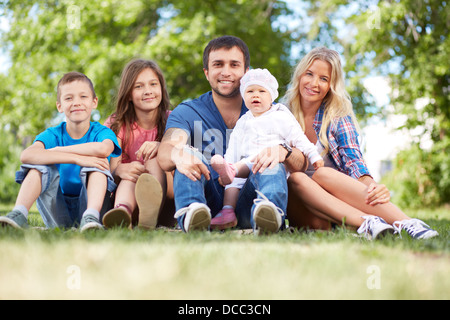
<point x="48" y="38"/>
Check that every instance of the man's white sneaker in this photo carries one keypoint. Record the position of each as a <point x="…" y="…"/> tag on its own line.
<point x="416" y="228"/>
<point x="266" y="215"/>
<point x="374" y="226"/>
<point x="198" y="217"/>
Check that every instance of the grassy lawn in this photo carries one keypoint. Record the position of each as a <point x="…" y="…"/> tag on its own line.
<point x="166" y="264"/>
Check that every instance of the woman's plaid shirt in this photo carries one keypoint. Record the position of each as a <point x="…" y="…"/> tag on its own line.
<point x="344" y="146"/>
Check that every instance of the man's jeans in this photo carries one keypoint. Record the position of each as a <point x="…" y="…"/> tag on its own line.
<point x="203" y="191"/>
<point x="272" y="183"/>
<point x="56" y="209"/>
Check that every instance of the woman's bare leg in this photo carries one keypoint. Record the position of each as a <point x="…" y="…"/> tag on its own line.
<point x="312" y="206"/>
<point x="354" y="192"/>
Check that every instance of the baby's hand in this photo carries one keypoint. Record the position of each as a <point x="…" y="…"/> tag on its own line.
<point x="148" y="150"/>
<point x="318" y="164"/>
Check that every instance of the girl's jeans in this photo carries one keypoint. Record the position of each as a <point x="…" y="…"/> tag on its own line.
<point x="272" y="183"/>
<point x="58" y="210"/>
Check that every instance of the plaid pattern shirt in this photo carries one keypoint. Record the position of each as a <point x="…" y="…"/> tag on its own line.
<point x="345" y="150"/>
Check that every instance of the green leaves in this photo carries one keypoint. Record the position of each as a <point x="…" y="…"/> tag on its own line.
<point x="50" y="38"/>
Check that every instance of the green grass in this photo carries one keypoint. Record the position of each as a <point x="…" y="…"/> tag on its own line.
<point x="162" y="264"/>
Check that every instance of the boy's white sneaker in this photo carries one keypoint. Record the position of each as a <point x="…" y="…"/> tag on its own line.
<point x="373" y="227"/>
<point x="197" y="217"/>
<point x="90" y="222"/>
<point x="14" y="219"/>
<point x="416" y="228"/>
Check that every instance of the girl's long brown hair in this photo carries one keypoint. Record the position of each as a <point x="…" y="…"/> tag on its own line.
<point x="125" y="115"/>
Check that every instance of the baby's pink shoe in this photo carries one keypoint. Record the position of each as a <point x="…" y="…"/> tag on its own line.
<point x="225" y="219"/>
<point x="226" y="171"/>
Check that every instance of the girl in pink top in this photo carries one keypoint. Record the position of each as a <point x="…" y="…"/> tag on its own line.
<point x="139" y="123"/>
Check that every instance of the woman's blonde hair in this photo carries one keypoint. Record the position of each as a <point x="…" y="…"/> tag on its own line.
<point x="337" y="102"/>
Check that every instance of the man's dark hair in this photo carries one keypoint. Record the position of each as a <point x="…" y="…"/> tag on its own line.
<point x="226" y="42"/>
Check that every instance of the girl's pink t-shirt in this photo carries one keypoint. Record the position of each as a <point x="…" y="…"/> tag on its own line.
<point x="138" y="137"/>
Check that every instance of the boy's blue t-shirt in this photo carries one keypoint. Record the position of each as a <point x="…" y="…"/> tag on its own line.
<point x="204" y="124"/>
<point x="70" y="180"/>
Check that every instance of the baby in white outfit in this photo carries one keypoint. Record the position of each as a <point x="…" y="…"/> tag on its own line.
<point x="264" y="125"/>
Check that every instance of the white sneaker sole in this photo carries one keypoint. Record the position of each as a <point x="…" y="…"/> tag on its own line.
<point x="200" y="220"/>
<point x="266" y="219"/>
<point x="7" y="222"/>
<point x="91" y="226"/>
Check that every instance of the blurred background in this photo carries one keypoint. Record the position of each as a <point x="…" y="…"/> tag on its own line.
<point x="395" y="55"/>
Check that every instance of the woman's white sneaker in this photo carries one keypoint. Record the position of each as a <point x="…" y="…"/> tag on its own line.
<point x="374" y="226"/>
<point x="416" y="228"/>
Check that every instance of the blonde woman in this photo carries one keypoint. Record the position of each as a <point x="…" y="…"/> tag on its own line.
<point x="343" y="190"/>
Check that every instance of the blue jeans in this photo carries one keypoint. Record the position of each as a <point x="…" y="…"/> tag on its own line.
<point x="203" y="191"/>
<point x="58" y="210"/>
<point x="272" y="183"/>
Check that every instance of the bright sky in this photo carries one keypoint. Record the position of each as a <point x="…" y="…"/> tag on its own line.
<point x="3" y="57"/>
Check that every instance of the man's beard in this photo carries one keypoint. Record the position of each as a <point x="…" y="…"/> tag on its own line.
<point x="233" y="94"/>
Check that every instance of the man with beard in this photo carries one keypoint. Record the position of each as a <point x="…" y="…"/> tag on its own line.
<point x="198" y="129"/>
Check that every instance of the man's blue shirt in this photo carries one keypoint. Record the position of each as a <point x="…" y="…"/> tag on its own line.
<point x="204" y="124"/>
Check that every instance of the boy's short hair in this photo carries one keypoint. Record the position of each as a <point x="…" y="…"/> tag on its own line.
<point x="72" y="77"/>
<point x="226" y="42"/>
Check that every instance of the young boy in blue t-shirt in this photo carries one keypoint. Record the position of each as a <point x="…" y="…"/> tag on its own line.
<point x="66" y="170"/>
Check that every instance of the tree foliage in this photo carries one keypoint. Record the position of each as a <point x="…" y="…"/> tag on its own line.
<point x="48" y="38"/>
<point x="406" y="41"/>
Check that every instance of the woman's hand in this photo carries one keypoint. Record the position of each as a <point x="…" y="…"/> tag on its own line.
<point x="147" y="151"/>
<point x="377" y="194"/>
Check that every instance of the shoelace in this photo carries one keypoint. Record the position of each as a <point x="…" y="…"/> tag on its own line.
<point x="14" y="214"/>
<point x="367" y="224"/>
<point x="264" y="199"/>
<point x="413" y="226"/>
<point x="88" y="219"/>
<point x="180" y="212"/>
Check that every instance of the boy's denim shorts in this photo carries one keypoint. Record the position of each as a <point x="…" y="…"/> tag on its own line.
<point x="59" y="210"/>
